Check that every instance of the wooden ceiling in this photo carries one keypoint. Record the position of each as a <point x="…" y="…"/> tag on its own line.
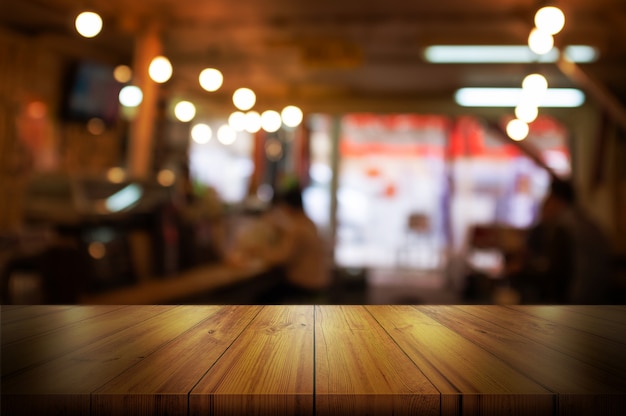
<point x="348" y="55"/>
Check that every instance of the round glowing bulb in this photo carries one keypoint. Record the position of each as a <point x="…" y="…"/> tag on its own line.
<point x="540" y="42"/>
<point x="160" y="69"/>
<point x="166" y="177"/>
<point x="130" y="96"/>
<point x="244" y="99"/>
<point x="550" y="20"/>
<point x="252" y="122"/>
<point x="226" y="135"/>
<point x="201" y="133"/>
<point x="237" y="120"/>
<point x="271" y="121"/>
<point x="535" y="84"/>
<point x="185" y="111"/>
<point x="116" y="175"/>
<point x="211" y="79"/>
<point x="526" y="112"/>
<point x="291" y="115"/>
<point x="517" y="130"/>
<point x="88" y="24"/>
<point x="122" y="74"/>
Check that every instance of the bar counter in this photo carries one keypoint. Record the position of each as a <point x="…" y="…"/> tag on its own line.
<point x="313" y="360"/>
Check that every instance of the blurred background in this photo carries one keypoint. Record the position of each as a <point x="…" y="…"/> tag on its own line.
<point x="141" y="143"/>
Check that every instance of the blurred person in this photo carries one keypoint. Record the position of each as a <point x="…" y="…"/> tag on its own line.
<point x="298" y="252"/>
<point x="568" y="259"/>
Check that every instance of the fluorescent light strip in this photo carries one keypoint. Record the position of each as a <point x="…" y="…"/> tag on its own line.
<point x="504" y="54"/>
<point x="124" y="198"/>
<point x="511" y="97"/>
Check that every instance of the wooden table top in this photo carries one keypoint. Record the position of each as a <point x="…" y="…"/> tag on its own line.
<point x="306" y="359"/>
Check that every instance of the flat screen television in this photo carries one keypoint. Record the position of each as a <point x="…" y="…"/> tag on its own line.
<point x="91" y="91"/>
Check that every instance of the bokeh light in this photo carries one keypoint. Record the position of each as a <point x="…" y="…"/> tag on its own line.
<point x="253" y="122"/>
<point x="166" y="177"/>
<point x="244" y="99"/>
<point x="527" y="112"/>
<point x="122" y="74"/>
<point x="540" y="42"/>
<point x="237" y="120"/>
<point x="201" y="133"/>
<point x="160" y="69"/>
<point x="292" y="116"/>
<point x="96" y="126"/>
<point x="130" y="96"/>
<point x="211" y="79"/>
<point x="116" y="174"/>
<point x="271" y="121"/>
<point x="185" y="111"/>
<point x="517" y="130"/>
<point x="226" y="135"/>
<point x="535" y="84"/>
<point x="88" y="24"/>
<point x="550" y="20"/>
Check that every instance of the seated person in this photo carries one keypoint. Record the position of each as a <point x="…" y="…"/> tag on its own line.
<point x="299" y="253"/>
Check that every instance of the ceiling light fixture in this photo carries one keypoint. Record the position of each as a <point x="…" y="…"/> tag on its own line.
<point x="88" y="24"/>
<point x="244" y="99"/>
<point x="237" y="120"/>
<point x="201" y="133"/>
<point x="211" y="79"/>
<point x="292" y="116"/>
<point x="160" y="69"/>
<point x="252" y="122"/>
<point x="130" y="96"/>
<point x="511" y="97"/>
<point x="540" y="42"/>
<point x="226" y="135"/>
<point x="495" y="54"/>
<point x="550" y="20"/>
<point x="185" y="111"/>
<point x="271" y="121"/>
<point x="517" y="130"/>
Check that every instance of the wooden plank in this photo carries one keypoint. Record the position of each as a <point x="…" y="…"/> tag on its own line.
<point x="181" y="364"/>
<point x="22" y="354"/>
<point x="359" y="369"/>
<point x="600" y="352"/>
<point x="574" y="381"/>
<point x="613" y="313"/>
<point x="471" y="379"/>
<point x="573" y="319"/>
<point x="19" y="312"/>
<point x="267" y="371"/>
<point x="54" y="319"/>
<point x="67" y="382"/>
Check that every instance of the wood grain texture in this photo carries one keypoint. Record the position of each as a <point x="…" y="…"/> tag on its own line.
<point x="20" y="355"/>
<point x="605" y="354"/>
<point x="180" y="363"/>
<point x="471" y="379"/>
<point x="268" y="370"/>
<point x="361" y="370"/>
<point x="84" y="370"/>
<point x="267" y="360"/>
<point x="571" y="379"/>
<point x="577" y="319"/>
<point x="52" y="319"/>
<point x="12" y="313"/>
